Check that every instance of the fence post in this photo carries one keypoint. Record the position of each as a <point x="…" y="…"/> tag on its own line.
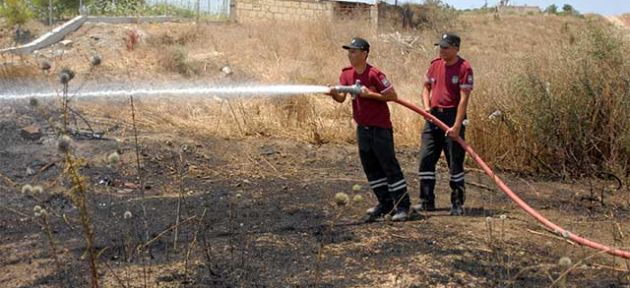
<point x="198" y="8"/>
<point x="49" y="12"/>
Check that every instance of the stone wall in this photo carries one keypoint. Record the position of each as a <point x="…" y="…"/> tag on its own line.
<point x="292" y="10"/>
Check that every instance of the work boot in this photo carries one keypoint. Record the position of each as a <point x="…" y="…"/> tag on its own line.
<point x="457" y="210"/>
<point x="424" y="206"/>
<point x="377" y="212"/>
<point x="401" y="214"/>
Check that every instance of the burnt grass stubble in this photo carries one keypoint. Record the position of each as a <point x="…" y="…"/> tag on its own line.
<point x="246" y="226"/>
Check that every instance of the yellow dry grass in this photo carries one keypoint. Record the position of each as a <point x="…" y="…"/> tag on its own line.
<point x="499" y="48"/>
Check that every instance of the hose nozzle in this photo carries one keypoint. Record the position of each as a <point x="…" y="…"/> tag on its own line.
<point x="351" y="89"/>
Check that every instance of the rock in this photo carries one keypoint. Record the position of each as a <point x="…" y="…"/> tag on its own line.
<point x="227" y="71"/>
<point x="268" y="150"/>
<point x="129" y="185"/>
<point x="31" y="132"/>
<point x="66" y="43"/>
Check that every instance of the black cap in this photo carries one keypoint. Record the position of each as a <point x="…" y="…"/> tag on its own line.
<point x="449" y="39"/>
<point x="358" y="43"/>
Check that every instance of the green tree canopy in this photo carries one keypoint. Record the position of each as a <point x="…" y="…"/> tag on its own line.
<point x="16" y="12"/>
<point x="552" y="9"/>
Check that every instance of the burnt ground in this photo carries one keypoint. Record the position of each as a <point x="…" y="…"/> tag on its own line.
<point x="260" y="212"/>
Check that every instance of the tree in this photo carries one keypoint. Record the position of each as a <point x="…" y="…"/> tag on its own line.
<point x="552" y="9"/>
<point x="569" y="10"/>
<point x="16" y="12"/>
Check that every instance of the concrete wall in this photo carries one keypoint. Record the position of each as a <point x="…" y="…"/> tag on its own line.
<point x="127" y="20"/>
<point x="519" y="9"/>
<point x="49" y="38"/>
<point x="60" y="32"/>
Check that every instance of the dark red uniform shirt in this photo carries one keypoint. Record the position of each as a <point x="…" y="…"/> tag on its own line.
<point x="446" y="82"/>
<point x="368" y="112"/>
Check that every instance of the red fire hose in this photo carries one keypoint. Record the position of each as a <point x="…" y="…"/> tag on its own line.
<point x="555" y="228"/>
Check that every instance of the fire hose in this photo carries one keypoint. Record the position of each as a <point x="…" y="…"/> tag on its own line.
<point x="356" y="89"/>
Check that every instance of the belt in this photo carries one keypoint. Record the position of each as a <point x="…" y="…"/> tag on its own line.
<point x="440" y="109"/>
<point x="370" y="127"/>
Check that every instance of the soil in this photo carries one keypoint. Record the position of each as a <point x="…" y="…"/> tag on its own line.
<point x="261" y="212"/>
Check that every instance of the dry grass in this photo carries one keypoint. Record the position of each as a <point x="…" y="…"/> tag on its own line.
<point x="506" y="53"/>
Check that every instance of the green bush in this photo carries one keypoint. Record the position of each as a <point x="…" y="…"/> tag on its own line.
<point x="433" y="15"/>
<point x="60" y="8"/>
<point x="137" y="7"/>
<point x="16" y="12"/>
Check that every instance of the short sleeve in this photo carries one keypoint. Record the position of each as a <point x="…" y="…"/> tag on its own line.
<point x="382" y="83"/>
<point x="428" y="82"/>
<point x="343" y="80"/>
<point x="466" y="79"/>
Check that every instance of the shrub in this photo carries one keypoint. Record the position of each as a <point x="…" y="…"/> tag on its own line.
<point x="569" y="113"/>
<point x="16" y="12"/>
<point x="176" y="59"/>
<point x="433" y="15"/>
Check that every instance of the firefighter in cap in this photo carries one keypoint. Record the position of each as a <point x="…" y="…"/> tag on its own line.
<point x="374" y="132"/>
<point x="447" y="87"/>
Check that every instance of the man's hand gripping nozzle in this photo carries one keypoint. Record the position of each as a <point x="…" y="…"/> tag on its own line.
<point x="353" y="90"/>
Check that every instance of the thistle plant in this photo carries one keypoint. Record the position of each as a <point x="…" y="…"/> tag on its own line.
<point x="27" y="189"/>
<point x="38" y="189"/>
<point x="78" y="191"/>
<point x="357" y="198"/>
<point x="564" y="263"/>
<point x="341" y="199"/>
<point x="42" y="214"/>
<point x="113" y="158"/>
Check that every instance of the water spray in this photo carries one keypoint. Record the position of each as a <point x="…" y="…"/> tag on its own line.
<point x="176" y="90"/>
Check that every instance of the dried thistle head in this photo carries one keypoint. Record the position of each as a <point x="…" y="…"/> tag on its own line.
<point x="33" y="102"/>
<point x="37" y="189"/>
<point x="127" y="215"/>
<point x="27" y="188"/>
<point x="503" y="217"/>
<point x="95" y="60"/>
<point x="66" y="75"/>
<point x="63" y="143"/>
<point x="113" y="158"/>
<point x="38" y="211"/>
<point x="565" y="262"/>
<point x="45" y="65"/>
<point x="341" y="199"/>
<point x="495" y="114"/>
